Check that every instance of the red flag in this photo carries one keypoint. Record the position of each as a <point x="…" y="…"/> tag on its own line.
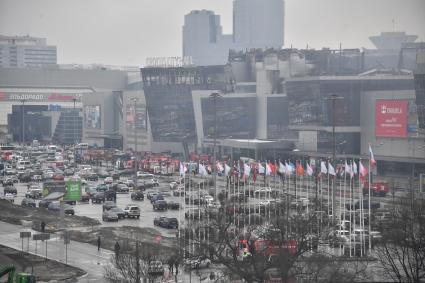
<point x="362" y="171"/>
<point x="272" y="167"/>
<point x="300" y="170"/>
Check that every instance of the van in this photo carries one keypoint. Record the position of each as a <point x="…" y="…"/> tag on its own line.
<point x="132" y="211"/>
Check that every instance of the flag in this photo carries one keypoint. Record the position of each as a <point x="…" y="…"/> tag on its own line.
<point x="246" y="170"/>
<point x="372" y="158"/>
<point x="219" y="167"/>
<point x="268" y="169"/>
<point x="282" y="168"/>
<point x="226" y="169"/>
<point x="182" y="170"/>
<point x="323" y="169"/>
<point x="347" y="168"/>
<point x="261" y="169"/>
<point x="288" y="168"/>
<point x="272" y="167"/>
<point x="354" y="168"/>
<point x="363" y="170"/>
<point x="202" y="171"/>
<point x="309" y="170"/>
<point x="300" y="169"/>
<point x="331" y="169"/>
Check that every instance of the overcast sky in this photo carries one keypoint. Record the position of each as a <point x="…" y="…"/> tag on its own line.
<point x="126" y="32"/>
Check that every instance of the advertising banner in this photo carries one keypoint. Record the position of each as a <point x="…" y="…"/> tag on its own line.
<point x="73" y="190"/>
<point x="391" y="118"/>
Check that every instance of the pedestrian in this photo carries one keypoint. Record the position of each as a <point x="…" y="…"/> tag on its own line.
<point x="43" y="226"/>
<point x="98" y="243"/>
<point x="117" y="249"/>
<point x="170" y="265"/>
<point x="176" y="265"/>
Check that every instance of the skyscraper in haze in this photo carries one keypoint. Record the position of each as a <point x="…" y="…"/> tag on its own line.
<point x="258" y="23"/>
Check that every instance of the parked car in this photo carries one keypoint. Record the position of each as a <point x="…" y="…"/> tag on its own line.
<point x="173" y="205"/>
<point x="138" y="195"/>
<point x="36" y="178"/>
<point x="156" y="198"/>
<point x="160" y="205"/>
<point x="108" y="180"/>
<point x="132" y="211"/>
<point x="44" y="203"/>
<point x="151" y="194"/>
<point x="166" y="222"/>
<point x="85" y="197"/>
<point x="9" y="197"/>
<point x="92" y="177"/>
<point x="122" y="188"/>
<point x="197" y="263"/>
<point x="119" y="211"/>
<point x="108" y="215"/>
<point x="10" y="190"/>
<point x="55" y="206"/>
<point x="110" y="195"/>
<point x="179" y="192"/>
<point x="28" y="202"/>
<point x="102" y="187"/>
<point x="107" y="205"/>
<point x="34" y="193"/>
<point x="98" y="197"/>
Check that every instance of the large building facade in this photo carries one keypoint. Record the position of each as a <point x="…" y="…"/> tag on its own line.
<point x="26" y="52"/>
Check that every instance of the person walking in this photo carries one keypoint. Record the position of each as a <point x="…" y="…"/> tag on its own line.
<point x="117" y="250"/>
<point x="43" y="226"/>
<point x="98" y="243"/>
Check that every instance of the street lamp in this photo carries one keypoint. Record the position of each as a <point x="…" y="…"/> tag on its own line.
<point x="135" y="100"/>
<point x="23" y="121"/>
<point x="214" y="96"/>
<point x="333" y="98"/>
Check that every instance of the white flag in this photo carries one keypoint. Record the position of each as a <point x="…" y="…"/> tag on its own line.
<point x="323" y="169"/>
<point x="202" y="171"/>
<point x="347" y="168"/>
<point x="261" y="169"/>
<point x="282" y="168"/>
<point x="309" y="170"/>
<point x="182" y="170"/>
<point x="219" y="167"/>
<point x="331" y="169"/>
<point x="354" y="167"/>
<point x="288" y="168"/>
<point x="226" y="169"/>
<point x="246" y="170"/>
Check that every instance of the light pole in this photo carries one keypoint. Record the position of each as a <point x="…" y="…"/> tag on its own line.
<point x="214" y="97"/>
<point x="23" y="121"/>
<point x="333" y="98"/>
<point x="135" y="100"/>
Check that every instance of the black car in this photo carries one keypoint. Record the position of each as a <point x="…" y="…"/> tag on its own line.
<point x="173" y="205"/>
<point x="160" y="205"/>
<point x="109" y="216"/>
<point x="122" y="188"/>
<point x="110" y="194"/>
<point x="34" y="194"/>
<point x="92" y="177"/>
<point x="25" y="178"/>
<point x="118" y="211"/>
<point x="107" y="205"/>
<point x="169" y="222"/>
<point x="28" y="202"/>
<point x="44" y="203"/>
<point x="137" y="195"/>
<point x="98" y="197"/>
<point x="10" y="190"/>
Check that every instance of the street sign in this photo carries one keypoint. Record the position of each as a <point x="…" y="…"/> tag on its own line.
<point x="25" y="234"/>
<point x="73" y="190"/>
<point x="41" y="237"/>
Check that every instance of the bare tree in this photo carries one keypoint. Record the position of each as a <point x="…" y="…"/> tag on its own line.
<point x="402" y="248"/>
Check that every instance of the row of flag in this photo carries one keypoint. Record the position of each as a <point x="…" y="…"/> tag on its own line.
<point x="287" y="168"/>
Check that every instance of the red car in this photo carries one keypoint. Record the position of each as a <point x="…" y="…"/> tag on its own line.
<point x="377" y="188"/>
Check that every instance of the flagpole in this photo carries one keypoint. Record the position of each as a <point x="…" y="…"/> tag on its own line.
<point x="370" y="216"/>
<point x="351" y="207"/>
<point x="329" y="200"/>
<point x="361" y="213"/>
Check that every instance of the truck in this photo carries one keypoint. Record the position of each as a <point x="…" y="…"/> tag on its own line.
<point x="379" y="188"/>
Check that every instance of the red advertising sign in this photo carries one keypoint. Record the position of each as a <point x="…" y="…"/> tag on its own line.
<point x="391" y="118"/>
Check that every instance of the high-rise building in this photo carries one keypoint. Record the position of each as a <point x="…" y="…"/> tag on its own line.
<point x="203" y="39"/>
<point x="258" y="24"/>
<point x="26" y="51"/>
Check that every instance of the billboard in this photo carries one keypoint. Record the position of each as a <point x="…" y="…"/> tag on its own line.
<point x="391" y="118"/>
<point x="135" y="117"/>
<point x="73" y="190"/>
<point x="92" y="116"/>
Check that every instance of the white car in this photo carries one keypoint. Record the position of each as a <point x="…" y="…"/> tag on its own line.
<point x="10" y="197"/>
<point x="108" y="180"/>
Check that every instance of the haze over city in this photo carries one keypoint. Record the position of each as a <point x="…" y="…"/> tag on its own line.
<point x="126" y="33"/>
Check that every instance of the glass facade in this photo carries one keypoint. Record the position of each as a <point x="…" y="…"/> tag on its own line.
<point x="236" y="117"/>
